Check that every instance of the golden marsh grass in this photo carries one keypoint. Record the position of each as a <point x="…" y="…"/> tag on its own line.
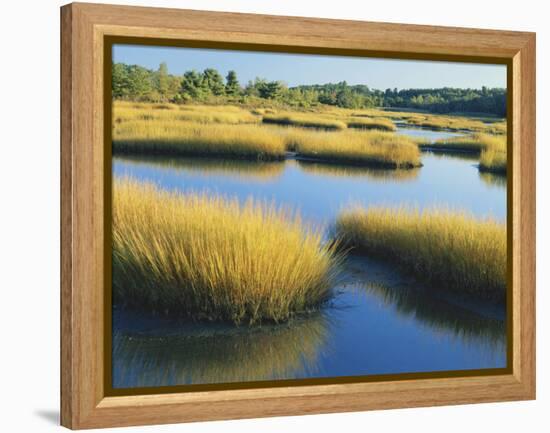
<point x="172" y="113"/>
<point x="492" y="149"/>
<point x="445" y="248"/>
<point x="211" y="258"/>
<point x="455" y="123"/>
<point x="170" y="138"/>
<point x="305" y="121"/>
<point x="493" y="160"/>
<point x="380" y="124"/>
<point x="472" y="143"/>
<point x="375" y="148"/>
<point x="150" y="131"/>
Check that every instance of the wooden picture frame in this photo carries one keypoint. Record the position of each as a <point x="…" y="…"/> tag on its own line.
<point x="84" y="216"/>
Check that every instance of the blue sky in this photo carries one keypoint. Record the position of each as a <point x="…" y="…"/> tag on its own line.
<point x="296" y="69"/>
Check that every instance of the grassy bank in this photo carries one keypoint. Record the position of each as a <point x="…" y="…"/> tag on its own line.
<point x="171" y="113"/>
<point x="449" y="250"/>
<point x="183" y="138"/>
<point x="493" y="161"/>
<point x="192" y="130"/>
<point x="456" y="123"/>
<point x="492" y="149"/>
<point x="372" y="148"/>
<point x="330" y="135"/>
<point x="470" y="143"/>
<point x="210" y="258"/>
<point x="380" y="124"/>
<point x="225" y="131"/>
<point x="304" y="121"/>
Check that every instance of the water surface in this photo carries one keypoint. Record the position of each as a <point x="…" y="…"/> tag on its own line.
<point x="379" y="320"/>
<point x="427" y="134"/>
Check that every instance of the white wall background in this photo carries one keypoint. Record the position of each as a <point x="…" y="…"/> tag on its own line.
<point x="29" y="229"/>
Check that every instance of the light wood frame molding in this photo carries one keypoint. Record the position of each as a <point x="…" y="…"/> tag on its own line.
<point x="83" y="31"/>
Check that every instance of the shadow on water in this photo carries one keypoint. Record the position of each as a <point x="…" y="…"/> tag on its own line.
<point x="187" y="353"/>
<point x="492" y="179"/>
<point x="243" y="169"/>
<point x="441" y="316"/>
<point x="469" y="320"/>
<point x="358" y="172"/>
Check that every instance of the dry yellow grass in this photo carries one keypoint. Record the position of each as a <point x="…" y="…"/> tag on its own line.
<point x="172" y="113"/>
<point x="493" y="160"/>
<point x="492" y="148"/>
<point x="455" y="123"/>
<point x="144" y="129"/>
<point x="305" y="120"/>
<point x="449" y="249"/>
<point x="380" y="124"/>
<point x="374" y="148"/>
<point x="211" y="258"/>
<point x="262" y="111"/>
<point x="185" y="138"/>
<point x="473" y="143"/>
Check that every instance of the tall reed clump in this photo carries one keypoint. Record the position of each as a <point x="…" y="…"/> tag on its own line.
<point x="380" y="124"/>
<point x="171" y="138"/>
<point x="369" y="148"/>
<point x="211" y="258"/>
<point x="493" y="157"/>
<point x="448" y="249"/>
<point x="305" y="121"/>
<point x="470" y="143"/>
<point x="494" y="161"/>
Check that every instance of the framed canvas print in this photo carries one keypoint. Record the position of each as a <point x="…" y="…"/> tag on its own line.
<point x="269" y="216"/>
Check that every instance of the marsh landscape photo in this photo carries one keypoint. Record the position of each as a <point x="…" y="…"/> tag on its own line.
<point x="294" y="216"/>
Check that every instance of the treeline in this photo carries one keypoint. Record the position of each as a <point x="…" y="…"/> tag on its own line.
<point x="134" y="82"/>
<point x="447" y="100"/>
<point x="442" y="100"/>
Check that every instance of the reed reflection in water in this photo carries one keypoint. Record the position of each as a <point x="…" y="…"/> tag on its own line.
<point x="470" y="321"/>
<point x="443" y="317"/>
<point x="358" y="172"/>
<point x="492" y="179"/>
<point x="240" y="169"/>
<point x="216" y="353"/>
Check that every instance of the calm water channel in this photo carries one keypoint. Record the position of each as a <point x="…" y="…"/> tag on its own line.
<point x="378" y="322"/>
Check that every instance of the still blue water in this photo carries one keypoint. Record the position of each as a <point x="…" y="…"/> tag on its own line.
<point x="427" y="134"/>
<point x="379" y="321"/>
<point x="319" y="191"/>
